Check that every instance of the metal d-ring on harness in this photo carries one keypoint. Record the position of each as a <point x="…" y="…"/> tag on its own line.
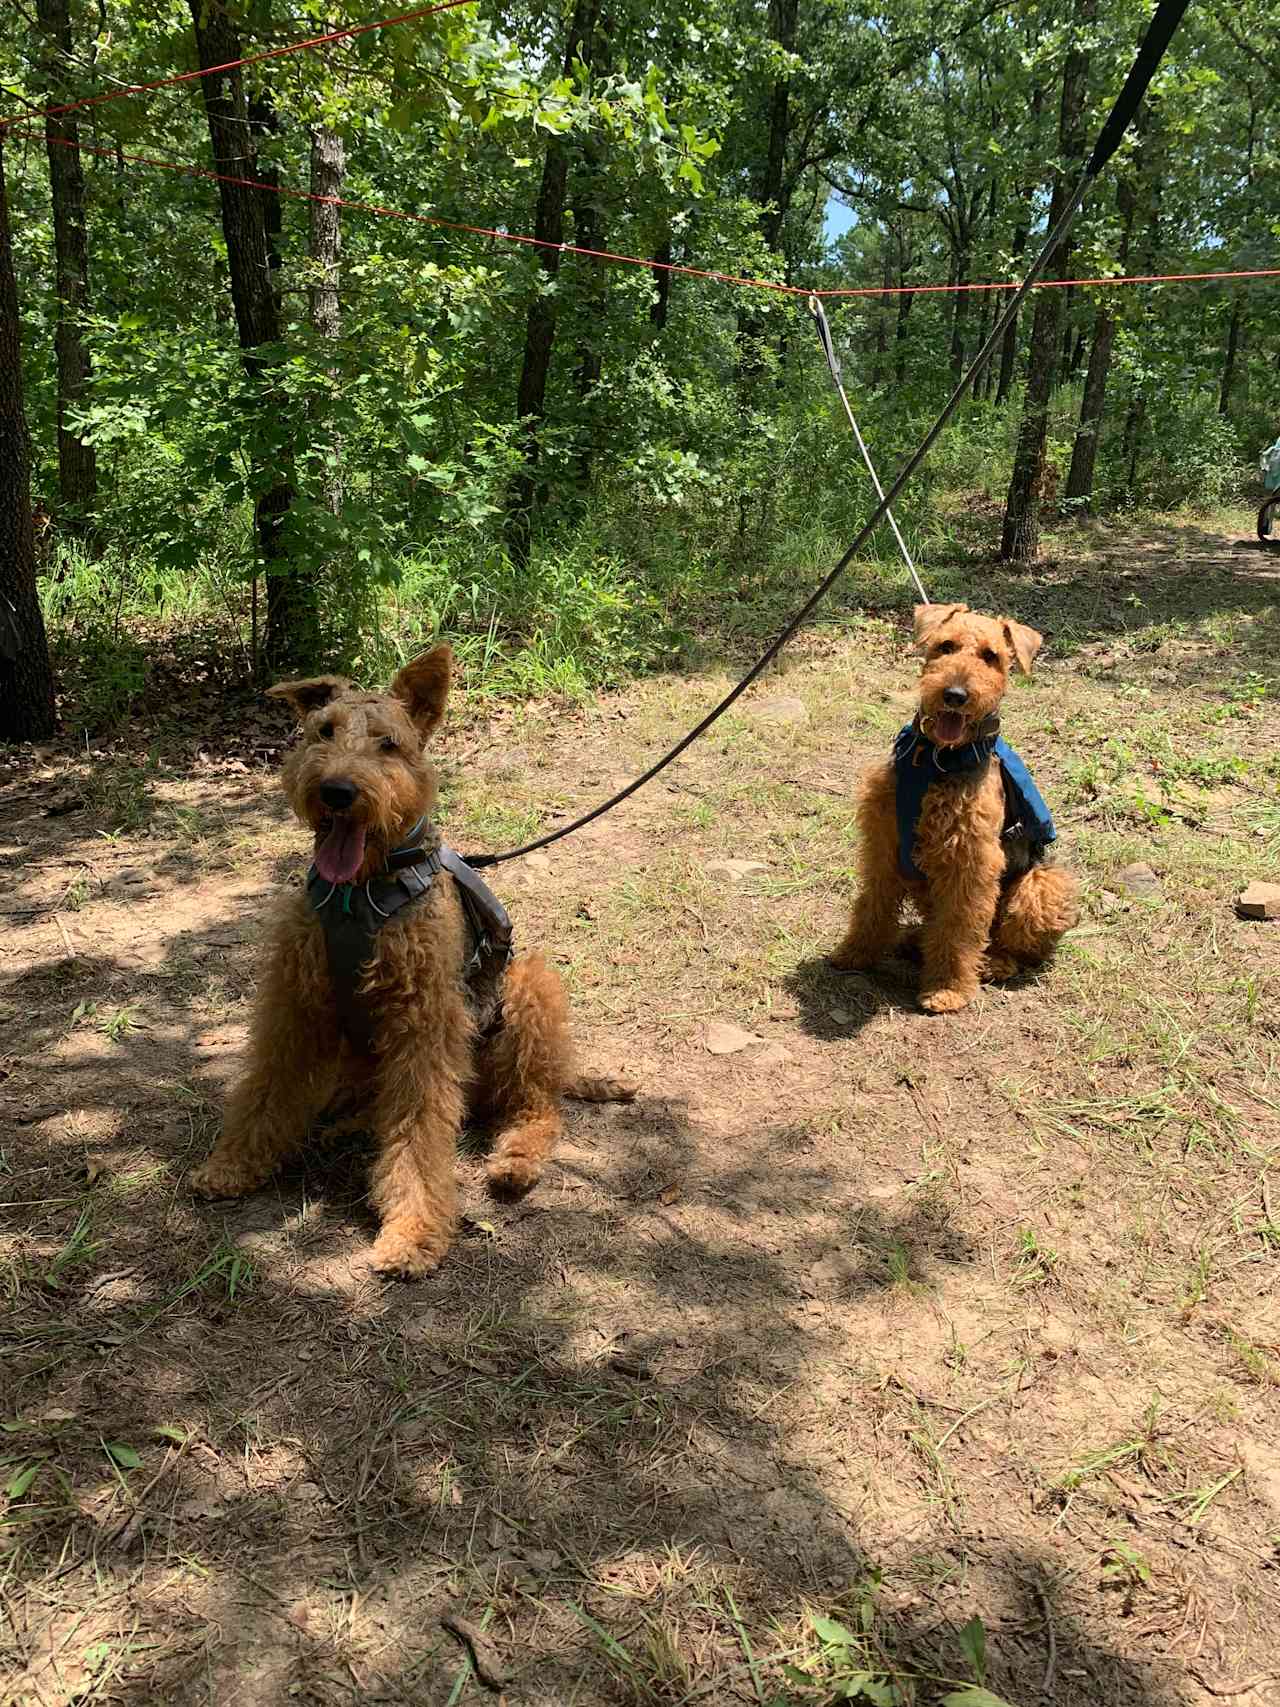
<point x="1160" y="30"/>
<point x="351" y="929"/>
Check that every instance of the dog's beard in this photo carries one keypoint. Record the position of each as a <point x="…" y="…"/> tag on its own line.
<point x="340" y="850"/>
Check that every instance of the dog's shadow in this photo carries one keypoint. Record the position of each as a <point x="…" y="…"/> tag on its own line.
<point x="834" y="1005"/>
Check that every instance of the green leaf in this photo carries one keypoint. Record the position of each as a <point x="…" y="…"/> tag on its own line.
<point x="124" y="1456"/>
<point x="828" y="1630"/>
<point x="22" y="1481"/>
<point x="166" y="1431"/>
<point x="973" y="1696"/>
<point x="973" y="1639"/>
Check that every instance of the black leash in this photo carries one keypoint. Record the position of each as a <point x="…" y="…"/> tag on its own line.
<point x="1159" y="32"/>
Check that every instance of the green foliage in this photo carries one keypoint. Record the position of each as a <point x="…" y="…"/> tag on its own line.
<point x="689" y="462"/>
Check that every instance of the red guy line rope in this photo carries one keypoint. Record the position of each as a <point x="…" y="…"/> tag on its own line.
<point x="233" y="64"/>
<point x="610" y="255"/>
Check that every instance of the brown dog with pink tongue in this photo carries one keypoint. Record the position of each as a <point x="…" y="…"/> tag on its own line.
<point x="391" y="974"/>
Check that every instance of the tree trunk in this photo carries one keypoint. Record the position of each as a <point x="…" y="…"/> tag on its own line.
<point x="590" y="233"/>
<point x="1229" y="360"/>
<point x="905" y="263"/>
<point x="660" y="307"/>
<point x="26" y="680"/>
<point x="769" y="190"/>
<point x="540" y="326"/>
<point x="328" y="168"/>
<point x="1084" y="452"/>
<point x="960" y="313"/>
<point x="291" y="596"/>
<point x="1021" y="235"/>
<point x="773" y="197"/>
<point x="1020" y="536"/>
<point x="77" y="461"/>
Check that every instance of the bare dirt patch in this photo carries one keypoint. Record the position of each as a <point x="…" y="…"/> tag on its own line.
<point x="873" y="1318"/>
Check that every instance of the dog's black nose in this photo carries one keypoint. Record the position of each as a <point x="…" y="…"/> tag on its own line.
<point x="954" y="695"/>
<point x="338" y="796"/>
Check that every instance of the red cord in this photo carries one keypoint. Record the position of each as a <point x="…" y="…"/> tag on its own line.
<point x="613" y="256"/>
<point x="233" y="64"/>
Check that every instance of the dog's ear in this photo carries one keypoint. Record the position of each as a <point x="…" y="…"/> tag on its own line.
<point x="423" y="687"/>
<point x="931" y="617"/>
<point x="1024" y="641"/>
<point x="309" y="695"/>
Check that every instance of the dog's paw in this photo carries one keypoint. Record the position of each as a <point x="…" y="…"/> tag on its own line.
<point x="945" y="1001"/>
<point x="221" y="1178"/>
<point x="998" y="968"/>
<point x="513" y="1175"/>
<point x="850" y="960"/>
<point x="399" y="1257"/>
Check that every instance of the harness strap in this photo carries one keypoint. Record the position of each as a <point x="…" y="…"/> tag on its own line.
<point x="352" y="915"/>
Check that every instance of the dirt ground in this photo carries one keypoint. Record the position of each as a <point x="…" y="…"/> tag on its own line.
<point x="822" y="1348"/>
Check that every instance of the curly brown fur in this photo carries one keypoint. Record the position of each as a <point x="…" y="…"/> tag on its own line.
<point x="366" y="751"/>
<point x="981" y="921"/>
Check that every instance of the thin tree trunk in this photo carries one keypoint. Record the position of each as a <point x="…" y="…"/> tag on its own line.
<point x="590" y="233"/>
<point x="770" y="188"/>
<point x="291" y="594"/>
<point x="77" y="461"/>
<point x="1229" y="360"/>
<point x="1020" y="536"/>
<point x="905" y="262"/>
<point x="1084" y="452"/>
<point x="540" y="325"/>
<point x="960" y="312"/>
<point x="328" y="168"/>
<point x="660" y="307"/>
<point x="1021" y="236"/>
<point x="26" y="679"/>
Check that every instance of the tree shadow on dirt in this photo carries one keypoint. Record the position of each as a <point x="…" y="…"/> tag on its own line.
<point x="259" y="1475"/>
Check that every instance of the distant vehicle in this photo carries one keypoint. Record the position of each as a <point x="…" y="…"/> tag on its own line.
<point x="1269" y="514"/>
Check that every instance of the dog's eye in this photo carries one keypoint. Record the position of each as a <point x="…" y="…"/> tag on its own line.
<point x="990" y="657"/>
<point x="326" y="731"/>
<point x="389" y="744"/>
<point x="943" y="647"/>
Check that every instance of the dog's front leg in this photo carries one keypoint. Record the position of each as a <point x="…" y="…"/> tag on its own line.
<point x="418" y="1112"/>
<point x="961" y="908"/>
<point x="291" y="1072"/>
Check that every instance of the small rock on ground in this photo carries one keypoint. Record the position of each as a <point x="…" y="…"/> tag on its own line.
<point x="1259" y="901"/>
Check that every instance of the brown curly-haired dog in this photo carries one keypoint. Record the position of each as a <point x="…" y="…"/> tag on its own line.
<point x="415" y="1033"/>
<point x="973" y="864"/>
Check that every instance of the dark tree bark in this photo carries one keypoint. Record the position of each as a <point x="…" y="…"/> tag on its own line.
<point x="1021" y="234"/>
<point x="328" y="169"/>
<point x="1020" y="537"/>
<point x="660" y="307"/>
<point x="773" y="196"/>
<point x="540" y="326"/>
<point x="291" y="595"/>
<point x="770" y="187"/>
<point x="26" y="680"/>
<point x="1084" y="452"/>
<point x="77" y="461"/>
<point x="905" y="262"/>
<point x="1229" y="359"/>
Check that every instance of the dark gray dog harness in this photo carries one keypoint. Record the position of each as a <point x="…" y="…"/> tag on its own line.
<point x="352" y="914"/>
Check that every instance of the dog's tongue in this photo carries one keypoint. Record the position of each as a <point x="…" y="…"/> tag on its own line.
<point x="948" y="726"/>
<point x="340" y="853"/>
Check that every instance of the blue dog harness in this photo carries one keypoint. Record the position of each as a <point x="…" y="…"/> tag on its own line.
<point x="918" y="764"/>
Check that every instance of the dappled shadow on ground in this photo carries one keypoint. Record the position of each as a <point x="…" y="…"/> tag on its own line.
<point x="260" y="1475"/>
